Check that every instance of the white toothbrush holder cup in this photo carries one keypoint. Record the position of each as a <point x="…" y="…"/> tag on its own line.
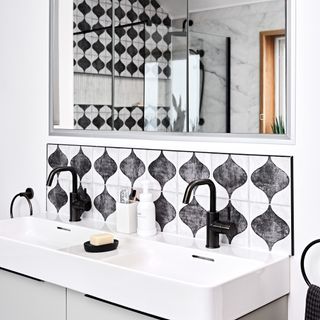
<point x="126" y="217"/>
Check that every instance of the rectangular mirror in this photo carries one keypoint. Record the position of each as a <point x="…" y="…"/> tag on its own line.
<point x="198" y="66"/>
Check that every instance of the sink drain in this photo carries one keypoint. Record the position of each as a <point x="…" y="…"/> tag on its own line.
<point x="202" y="258"/>
<point x="64" y="229"/>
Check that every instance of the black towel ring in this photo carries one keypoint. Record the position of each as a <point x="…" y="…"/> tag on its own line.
<point x="302" y="260"/>
<point x="28" y="195"/>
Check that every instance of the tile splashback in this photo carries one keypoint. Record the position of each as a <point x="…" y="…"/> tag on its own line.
<point x="254" y="192"/>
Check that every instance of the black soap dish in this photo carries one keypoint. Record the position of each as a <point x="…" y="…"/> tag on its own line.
<point x="103" y="248"/>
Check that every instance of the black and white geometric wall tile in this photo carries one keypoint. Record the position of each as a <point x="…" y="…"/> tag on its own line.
<point x="58" y="158"/>
<point x="132" y="167"/>
<point x="231" y="177"/>
<point x="99" y="118"/>
<point x="193" y="166"/>
<point x="105" y="170"/>
<point x="163" y="179"/>
<point x="134" y="45"/>
<point x="254" y="192"/>
<point x="270" y="189"/>
<point x="58" y="193"/>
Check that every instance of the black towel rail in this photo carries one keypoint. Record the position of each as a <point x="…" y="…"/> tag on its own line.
<point x="28" y="195"/>
<point x="303" y="258"/>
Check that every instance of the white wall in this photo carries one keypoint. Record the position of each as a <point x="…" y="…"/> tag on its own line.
<point x="23" y="130"/>
<point x="23" y="97"/>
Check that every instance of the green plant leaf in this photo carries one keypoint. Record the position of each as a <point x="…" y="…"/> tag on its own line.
<point x="278" y="126"/>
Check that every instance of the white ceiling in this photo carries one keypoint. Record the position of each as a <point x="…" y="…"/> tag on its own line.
<point x="178" y="8"/>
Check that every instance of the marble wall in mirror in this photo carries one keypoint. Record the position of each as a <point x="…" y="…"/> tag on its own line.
<point x="154" y="66"/>
<point x="242" y="51"/>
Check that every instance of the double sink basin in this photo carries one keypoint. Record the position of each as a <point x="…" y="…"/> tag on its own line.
<point x="166" y="276"/>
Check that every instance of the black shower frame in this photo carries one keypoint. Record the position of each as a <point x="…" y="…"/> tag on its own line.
<point x="228" y="85"/>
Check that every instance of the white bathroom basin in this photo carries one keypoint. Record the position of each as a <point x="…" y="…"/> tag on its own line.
<point x="207" y="268"/>
<point x="45" y="233"/>
<point x="180" y="281"/>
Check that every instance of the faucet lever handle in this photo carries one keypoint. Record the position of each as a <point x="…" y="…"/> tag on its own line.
<point x="227" y="228"/>
<point x="87" y="203"/>
<point x="223" y="227"/>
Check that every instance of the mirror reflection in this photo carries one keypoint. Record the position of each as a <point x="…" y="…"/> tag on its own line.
<point x="150" y="65"/>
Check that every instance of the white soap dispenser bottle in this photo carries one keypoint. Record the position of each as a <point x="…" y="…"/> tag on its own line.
<point x="146" y="213"/>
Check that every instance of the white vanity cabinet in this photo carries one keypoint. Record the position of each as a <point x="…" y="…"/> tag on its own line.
<point x="24" y="298"/>
<point x="81" y="307"/>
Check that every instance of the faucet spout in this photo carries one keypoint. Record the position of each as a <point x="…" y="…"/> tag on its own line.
<point x="64" y="169"/>
<point x="195" y="184"/>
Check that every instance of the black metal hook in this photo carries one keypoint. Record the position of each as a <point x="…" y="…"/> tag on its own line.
<point x="28" y="195"/>
<point x="303" y="258"/>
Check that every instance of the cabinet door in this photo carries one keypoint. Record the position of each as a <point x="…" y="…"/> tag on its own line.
<point x="81" y="307"/>
<point x="23" y="298"/>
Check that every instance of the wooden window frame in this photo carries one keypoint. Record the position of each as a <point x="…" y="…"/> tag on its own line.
<point x="267" y="78"/>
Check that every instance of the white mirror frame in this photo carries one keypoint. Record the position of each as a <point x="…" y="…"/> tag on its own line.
<point x="287" y="139"/>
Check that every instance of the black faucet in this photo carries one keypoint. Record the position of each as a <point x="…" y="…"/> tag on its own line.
<point x="77" y="205"/>
<point x="214" y="225"/>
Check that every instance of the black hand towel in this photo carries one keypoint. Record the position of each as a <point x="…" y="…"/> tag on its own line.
<point x="313" y="303"/>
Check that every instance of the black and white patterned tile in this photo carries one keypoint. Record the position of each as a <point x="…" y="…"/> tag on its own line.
<point x="232" y="176"/>
<point x="270" y="227"/>
<point x="132" y="167"/>
<point x="106" y="180"/>
<point x="104" y="203"/>
<point x="166" y="210"/>
<point x="162" y="171"/>
<point x="216" y="161"/>
<point x="105" y="166"/>
<point x="58" y="156"/>
<point x="98" y="117"/>
<point x="193" y="166"/>
<point x="234" y="185"/>
<point x="254" y="192"/>
<point x="58" y="198"/>
<point x="271" y="166"/>
<point x="270" y="188"/>
<point x="191" y="218"/>
<point x="83" y="116"/>
<point x="92" y="52"/>
<point x="81" y="160"/>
